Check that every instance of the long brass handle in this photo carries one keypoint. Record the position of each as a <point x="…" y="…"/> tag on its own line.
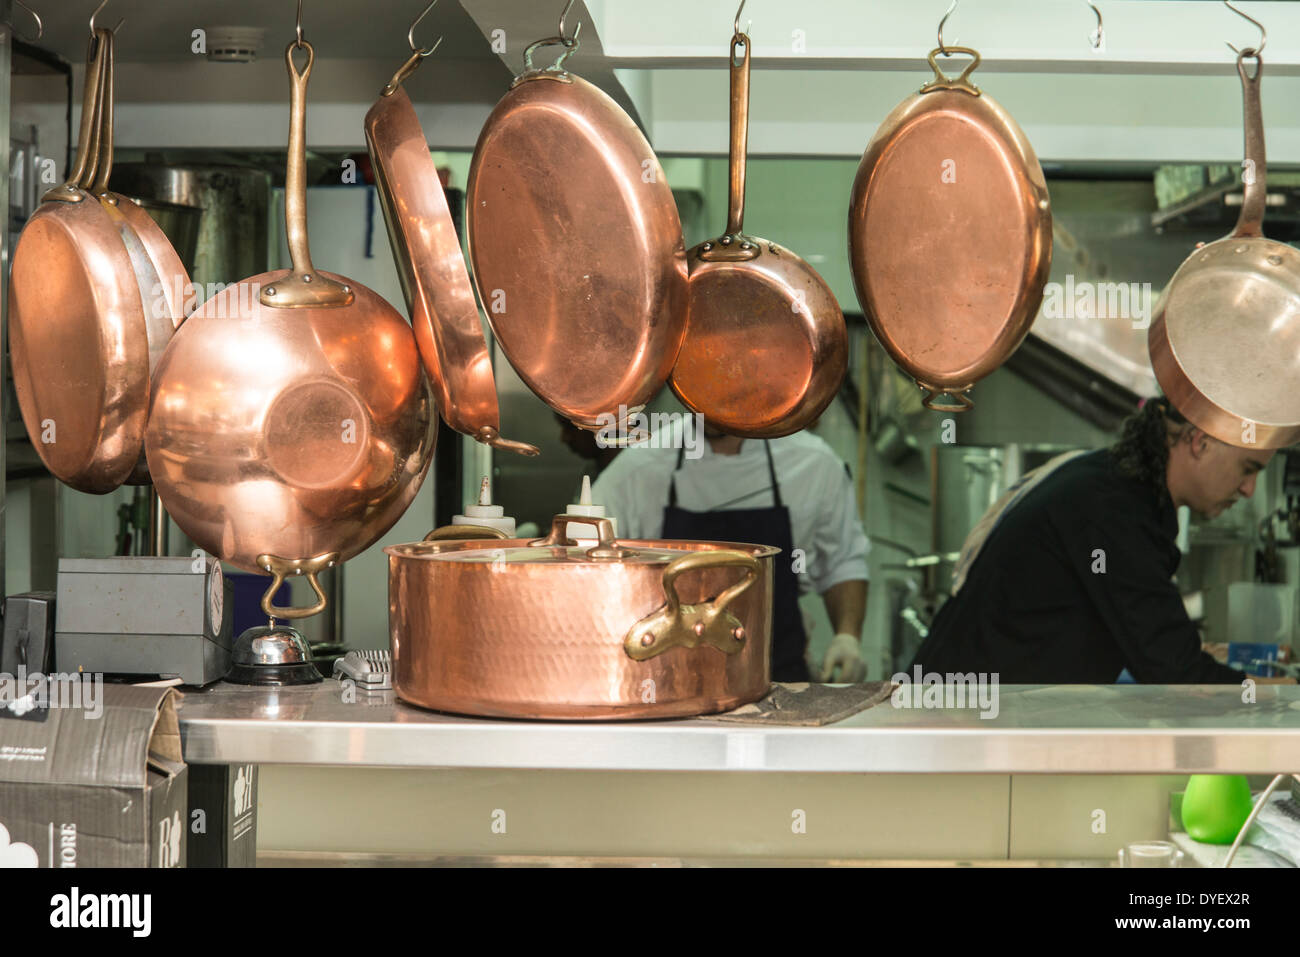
<point x="305" y="287"/>
<point x="282" y="568"/>
<point x="88" y="135"/>
<point x="684" y="626"/>
<point x="739" y="134"/>
<point x="1250" y="221"/>
<point x="104" y="144"/>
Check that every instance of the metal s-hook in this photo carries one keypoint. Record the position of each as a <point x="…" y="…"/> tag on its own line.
<point x="568" y="41"/>
<point x="943" y="51"/>
<point x="40" y="27"/>
<point x="1263" y="34"/>
<point x="1098" y="37"/>
<point x="410" y="34"/>
<point x="735" y="29"/>
<point x="102" y="5"/>
<point x="297" y="28"/>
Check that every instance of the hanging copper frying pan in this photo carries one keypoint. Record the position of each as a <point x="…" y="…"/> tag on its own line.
<point x="435" y="282"/>
<point x="291" y="422"/>
<point x="77" y="333"/>
<point x="576" y="245"/>
<point x="766" y="347"/>
<point x="1225" y="336"/>
<point x="950" y="235"/>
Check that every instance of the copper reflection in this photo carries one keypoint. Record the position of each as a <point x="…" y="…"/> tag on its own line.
<point x="950" y="235"/>
<point x="576" y="247"/>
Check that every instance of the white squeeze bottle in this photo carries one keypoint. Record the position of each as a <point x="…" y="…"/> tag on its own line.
<point x="485" y="513"/>
<point x="586" y="509"/>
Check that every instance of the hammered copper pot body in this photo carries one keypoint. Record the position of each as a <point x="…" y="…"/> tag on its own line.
<point x="577" y="247"/>
<point x="1225" y="335"/>
<point x="950" y="235"/>
<point x="545" y="638"/>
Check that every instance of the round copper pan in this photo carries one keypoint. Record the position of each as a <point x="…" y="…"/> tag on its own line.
<point x="766" y="348"/>
<point x="950" y="235"/>
<point x="435" y="282"/>
<point x="580" y="633"/>
<point x="1225" y="335"/>
<point x="291" y="421"/>
<point x="576" y="247"/>
<point x="77" y="332"/>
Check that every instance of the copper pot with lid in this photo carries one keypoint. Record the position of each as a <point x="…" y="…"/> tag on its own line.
<point x="548" y="628"/>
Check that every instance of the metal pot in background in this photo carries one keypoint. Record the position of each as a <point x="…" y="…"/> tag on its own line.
<point x="234" y="228"/>
<point x="548" y="628"/>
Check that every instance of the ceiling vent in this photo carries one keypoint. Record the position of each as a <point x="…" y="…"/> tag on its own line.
<point x="234" y="44"/>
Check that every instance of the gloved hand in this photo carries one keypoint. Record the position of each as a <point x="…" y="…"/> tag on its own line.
<point x="845" y="653"/>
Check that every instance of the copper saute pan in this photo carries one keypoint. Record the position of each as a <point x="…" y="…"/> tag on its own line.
<point x="435" y="282"/>
<point x="545" y="628"/>
<point x="950" y="235"/>
<point x="77" y="333"/>
<point x="291" y="422"/>
<point x="766" y="347"/>
<point x="1225" y="335"/>
<point x="576" y="245"/>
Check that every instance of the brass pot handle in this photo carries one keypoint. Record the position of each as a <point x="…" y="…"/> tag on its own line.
<point x="677" y="625"/>
<point x="304" y="287"/>
<point x="282" y="568"/>
<point x="1255" y="197"/>
<point x="606" y="547"/>
<point x="464" y="533"/>
<point x="959" y="402"/>
<point x="943" y="82"/>
<point x="83" y="168"/>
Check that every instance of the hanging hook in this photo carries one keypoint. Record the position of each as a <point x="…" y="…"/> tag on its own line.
<point x="1263" y="34"/>
<point x="736" y="24"/>
<point x="40" y="27"/>
<point x="1098" y="37"/>
<point x="568" y="41"/>
<point x="102" y="5"/>
<point x="297" y="28"/>
<point x="943" y="51"/>
<point x="410" y="34"/>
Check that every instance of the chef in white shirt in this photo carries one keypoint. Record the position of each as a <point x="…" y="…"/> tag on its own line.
<point x="793" y="493"/>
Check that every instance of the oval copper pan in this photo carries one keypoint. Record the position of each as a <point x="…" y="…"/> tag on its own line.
<point x="950" y="235"/>
<point x="1225" y="336"/>
<point x="766" y="347"/>
<point x="79" y="346"/>
<point x="576" y="247"/>
<point x="439" y="296"/>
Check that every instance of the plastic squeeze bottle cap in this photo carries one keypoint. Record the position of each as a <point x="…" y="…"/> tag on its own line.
<point x="485" y="513"/>
<point x="587" y="509"/>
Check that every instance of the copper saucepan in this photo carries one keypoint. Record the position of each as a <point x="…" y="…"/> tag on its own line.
<point x="292" y="422"/>
<point x="766" y="347"/>
<point x="576" y="245"/>
<point x="1225" y="335"/>
<point x="77" y="334"/>
<point x="950" y="235"/>
<point x="439" y="296"/>
<point x="546" y="628"/>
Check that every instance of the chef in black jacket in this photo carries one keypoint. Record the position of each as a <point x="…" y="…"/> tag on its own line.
<point x="1069" y="578"/>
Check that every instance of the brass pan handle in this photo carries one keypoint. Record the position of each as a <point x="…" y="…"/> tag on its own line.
<point x="958" y="401"/>
<point x="490" y="436"/>
<point x="304" y="287"/>
<point x="686" y="626"/>
<point x="606" y="547"/>
<point x="463" y="533"/>
<point x="88" y="135"/>
<point x="282" y="568"/>
<point x="943" y="82"/>
<point x="1251" y="218"/>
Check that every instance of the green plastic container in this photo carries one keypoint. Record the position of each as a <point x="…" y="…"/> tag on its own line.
<point x="1215" y="806"/>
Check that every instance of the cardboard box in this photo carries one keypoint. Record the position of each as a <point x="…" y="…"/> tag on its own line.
<point x="94" y="787"/>
<point x="223" y="815"/>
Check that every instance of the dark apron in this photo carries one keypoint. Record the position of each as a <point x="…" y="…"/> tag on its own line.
<point x="761" y="526"/>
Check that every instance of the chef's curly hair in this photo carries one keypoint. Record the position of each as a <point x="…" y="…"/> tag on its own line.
<point x="1145" y="438"/>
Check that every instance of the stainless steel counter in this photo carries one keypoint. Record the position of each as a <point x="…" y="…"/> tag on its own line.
<point x="1124" y="729"/>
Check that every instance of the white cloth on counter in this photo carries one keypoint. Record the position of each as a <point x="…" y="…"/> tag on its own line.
<point x="815" y="487"/>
